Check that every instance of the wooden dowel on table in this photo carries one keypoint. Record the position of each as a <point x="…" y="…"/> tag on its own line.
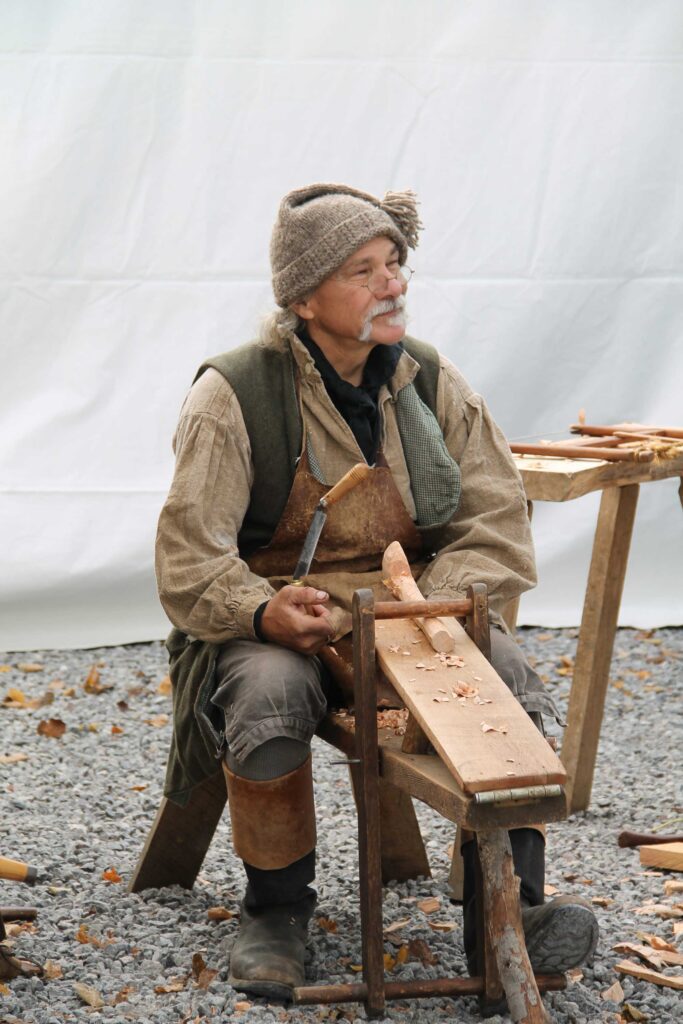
<point x="400" y="582"/>
<point x="585" y="428"/>
<point x="423" y="609"/>
<point x="562" y="451"/>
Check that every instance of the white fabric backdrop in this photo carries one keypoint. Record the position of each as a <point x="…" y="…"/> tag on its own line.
<point x="145" y="147"/>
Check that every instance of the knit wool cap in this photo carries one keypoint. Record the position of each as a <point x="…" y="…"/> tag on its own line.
<point x="319" y="226"/>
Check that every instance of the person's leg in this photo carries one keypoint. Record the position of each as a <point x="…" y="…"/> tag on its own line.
<point x="560" y="934"/>
<point x="272" y="699"/>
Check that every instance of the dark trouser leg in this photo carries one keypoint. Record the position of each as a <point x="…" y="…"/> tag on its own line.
<point x="273" y="699"/>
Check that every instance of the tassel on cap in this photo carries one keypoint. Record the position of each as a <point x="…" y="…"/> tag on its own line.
<point x="402" y="208"/>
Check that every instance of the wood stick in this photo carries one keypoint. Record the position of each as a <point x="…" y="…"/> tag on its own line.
<point x="400" y="582"/>
<point x="584" y="428"/>
<point x="568" y="451"/>
<point x="636" y="971"/>
<point x="423" y="609"/>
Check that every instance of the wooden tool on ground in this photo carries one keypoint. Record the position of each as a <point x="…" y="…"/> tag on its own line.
<point x="399" y="580"/>
<point x="17" y="871"/>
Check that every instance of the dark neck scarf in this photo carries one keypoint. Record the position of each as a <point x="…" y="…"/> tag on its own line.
<point x="358" y="405"/>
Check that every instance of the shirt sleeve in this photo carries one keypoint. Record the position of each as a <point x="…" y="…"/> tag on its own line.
<point x="206" y="589"/>
<point x="489" y="538"/>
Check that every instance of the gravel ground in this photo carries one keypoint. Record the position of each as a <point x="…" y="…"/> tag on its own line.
<point x="80" y="805"/>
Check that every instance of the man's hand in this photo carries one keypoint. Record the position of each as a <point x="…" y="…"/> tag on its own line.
<point x="296" y="618"/>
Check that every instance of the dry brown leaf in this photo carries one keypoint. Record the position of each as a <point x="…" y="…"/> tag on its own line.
<point x="550" y="890"/>
<point x="632" y="1013"/>
<point x="157" y="721"/>
<point x="52" y="970"/>
<point x="614" y="993"/>
<point x="396" y="926"/>
<point x="205" y="978"/>
<point x="116" y="730"/>
<point x="111" y="875"/>
<point x="441" y="926"/>
<point x="30" y="666"/>
<point x="656" y="942"/>
<point x="13" y="758"/>
<point x="660" y="910"/>
<point x="5" y="668"/>
<point x="419" y="950"/>
<point x="389" y="962"/>
<point x="243" y="1005"/>
<point x="92" y="682"/>
<point x="672" y="887"/>
<point x="89" y="995"/>
<point x="83" y="935"/>
<point x="123" y="994"/>
<point x="140" y="788"/>
<point x="51" y="727"/>
<point x="645" y="953"/>
<point x="93" y="727"/>
<point x="602" y="901"/>
<point x="429" y="906"/>
<point x="327" y="924"/>
<point x="165" y="686"/>
<point x="14" y="698"/>
<point x="172" y="985"/>
<point x="645" y="974"/>
<point x="219" y="914"/>
<point x="5" y="990"/>
<point x="122" y="706"/>
<point x="198" y="965"/>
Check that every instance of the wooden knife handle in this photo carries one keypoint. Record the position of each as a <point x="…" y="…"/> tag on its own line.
<point x="361" y="471"/>
<point x="627" y="839"/>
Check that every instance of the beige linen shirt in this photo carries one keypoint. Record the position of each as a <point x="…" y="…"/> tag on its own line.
<point x="208" y="591"/>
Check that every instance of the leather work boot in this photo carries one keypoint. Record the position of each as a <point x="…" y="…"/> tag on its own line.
<point x="559" y="935"/>
<point x="268" y="956"/>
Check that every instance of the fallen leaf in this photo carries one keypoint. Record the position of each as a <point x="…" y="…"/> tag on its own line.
<point x="30" y="666"/>
<point x="396" y="926"/>
<point x="89" y="995"/>
<point x="673" y="887"/>
<point x="198" y="965"/>
<point x="5" y="990"/>
<point x="550" y="890"/>
<point x="602" y="901"/>
<point x="122" y="995"/>
<point x="139" y="789"/>
<point x="327" y="924"/>
<point x="52" y="971"/>
<point x="660" y="910"/>
<point x="157" y="721"/>
<point x="389" y="962"/>
<point x="614" y="993"/>
<point x="93" y="727"/>
<point x="656" y="942"/>
<point x="678" y="928"/>
<point x="632" y="1013"/>
<point x="648" y="955"/>
<point x="111" y="875"/>
<point x="419" y="949"/>
<point x="172" y="985"/>
<point x="13" y="758"/>
<point x="575" y="975"/>
<point x="14" y="698"/>
<point x="219" y="914"/>
<point x="441" y="926"/>
<point x="644" y="974"/>
<point x="5" y="668"/>
<point x="205" y="978"/>
<point x="116" y="730"/>
<point x="92" y="682"/>
<point x="429" y="906"/>
<point x="51" y="727"/>
<point x="122" y="706"/>
<point x="243" y="1005"/>
<point x="165" y="686"/>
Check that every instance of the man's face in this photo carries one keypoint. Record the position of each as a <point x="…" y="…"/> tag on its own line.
<point x="363" y="302"/>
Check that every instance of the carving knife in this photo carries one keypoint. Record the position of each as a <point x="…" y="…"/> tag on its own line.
<point x="354" y="476"/>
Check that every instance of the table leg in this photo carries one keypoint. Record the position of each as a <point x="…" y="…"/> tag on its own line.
<point x="596" y="640"/>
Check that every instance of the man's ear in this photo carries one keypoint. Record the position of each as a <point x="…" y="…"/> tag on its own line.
<point x="303" y="309"/>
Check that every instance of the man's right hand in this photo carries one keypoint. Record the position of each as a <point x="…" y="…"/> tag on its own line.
<point x="296" y="618"/>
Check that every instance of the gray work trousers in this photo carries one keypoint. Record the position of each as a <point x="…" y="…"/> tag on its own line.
<point x="267" y="691"/>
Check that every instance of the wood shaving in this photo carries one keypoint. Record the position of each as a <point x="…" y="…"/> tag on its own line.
<point x="485" y="727"/>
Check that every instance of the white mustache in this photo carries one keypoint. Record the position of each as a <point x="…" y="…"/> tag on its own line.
<point x="384" y="306"/>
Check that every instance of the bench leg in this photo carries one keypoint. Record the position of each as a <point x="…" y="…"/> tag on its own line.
<point x="506" y="962"/>
<point x="179" y="838"/>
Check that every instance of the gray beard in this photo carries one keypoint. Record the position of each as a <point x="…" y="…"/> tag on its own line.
<point x="385" y="306"/>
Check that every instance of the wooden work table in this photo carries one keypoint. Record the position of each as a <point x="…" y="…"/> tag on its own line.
<point x="555" y="479"/>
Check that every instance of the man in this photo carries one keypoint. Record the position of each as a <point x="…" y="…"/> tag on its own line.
<point x="264" y="432"/>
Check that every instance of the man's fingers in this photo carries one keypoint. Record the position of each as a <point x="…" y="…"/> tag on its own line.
<point x="307" y="595"/>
